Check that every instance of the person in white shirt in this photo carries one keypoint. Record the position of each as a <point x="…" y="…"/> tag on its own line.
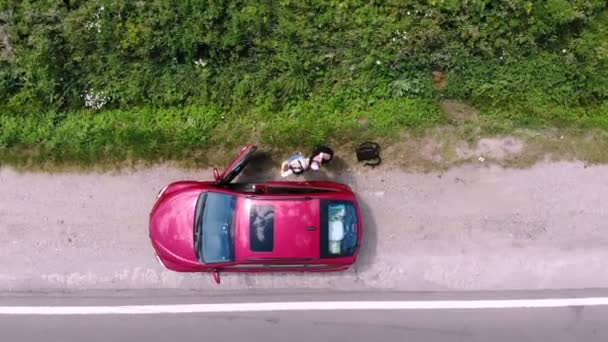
<point x="296" y="164"/>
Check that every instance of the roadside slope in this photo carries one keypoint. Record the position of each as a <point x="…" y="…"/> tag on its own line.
<point x="472" y="228"/>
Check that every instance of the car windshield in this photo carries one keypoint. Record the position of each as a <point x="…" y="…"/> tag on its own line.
<point x="339" y="227"/>
<point x="214" y="227"/>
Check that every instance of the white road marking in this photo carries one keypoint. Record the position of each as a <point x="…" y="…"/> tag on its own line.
<point x="303" y="306"/>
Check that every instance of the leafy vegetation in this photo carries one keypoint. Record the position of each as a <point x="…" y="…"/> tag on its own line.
<point x="85" y="80"/>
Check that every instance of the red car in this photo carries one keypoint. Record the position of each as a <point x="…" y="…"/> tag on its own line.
<point x="213" y="226"/>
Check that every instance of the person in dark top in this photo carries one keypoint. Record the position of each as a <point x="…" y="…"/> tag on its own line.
<point x="321" y="155"/>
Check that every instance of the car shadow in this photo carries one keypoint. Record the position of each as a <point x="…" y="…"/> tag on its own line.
<point x="261" y="168"/>
<point x="337" y="164"/>
<point x="369" y="245"/>
<point x="335" y="170"/>
<point x="339" y="172"/>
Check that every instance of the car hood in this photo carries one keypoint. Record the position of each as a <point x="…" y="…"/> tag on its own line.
<point x="172" y="226"/>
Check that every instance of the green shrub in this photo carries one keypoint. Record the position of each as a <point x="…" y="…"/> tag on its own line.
<point x="98" y="76"/>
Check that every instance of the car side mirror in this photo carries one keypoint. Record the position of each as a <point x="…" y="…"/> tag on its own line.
<point x="216" y="174"/>
<point x="216" y="276"/>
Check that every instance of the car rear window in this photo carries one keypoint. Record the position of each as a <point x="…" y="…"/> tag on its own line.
<point x="261" y="228"/>
<point x="339" y="227"/>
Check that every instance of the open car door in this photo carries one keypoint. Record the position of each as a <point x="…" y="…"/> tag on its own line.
<point x="235" y="168"/>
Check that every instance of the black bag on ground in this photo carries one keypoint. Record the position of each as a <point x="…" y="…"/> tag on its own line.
<point x="369" y="153"/>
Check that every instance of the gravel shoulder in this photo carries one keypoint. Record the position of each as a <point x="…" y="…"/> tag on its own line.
<point x="473" y="227"/>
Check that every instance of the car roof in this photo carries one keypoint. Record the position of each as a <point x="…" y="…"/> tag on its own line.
<point x="286" y="228"/>
<point x="291" y="222"/>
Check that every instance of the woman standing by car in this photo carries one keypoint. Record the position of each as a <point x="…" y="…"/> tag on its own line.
<point x="321" y="155"/>
<point x="295" y="164"/>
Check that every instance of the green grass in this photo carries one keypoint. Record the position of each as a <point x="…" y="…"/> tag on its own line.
<point x="289" y="75"/>
<point x="200" y="134"/>
<point x="88" y="137"/>
<point x="193" y="80"/>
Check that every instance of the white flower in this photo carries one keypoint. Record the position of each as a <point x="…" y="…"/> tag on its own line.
<point x="564" y="50"/>
<point x="96" y="22"/>
<point x="408" y="12"/>
<point x="95" y="100"/>
<point x="201" y="63"/>
<point x="91" y="25"/>
<point x="378" y="62"/>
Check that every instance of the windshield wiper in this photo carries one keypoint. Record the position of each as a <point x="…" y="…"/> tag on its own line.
<point x="198" y="223"/>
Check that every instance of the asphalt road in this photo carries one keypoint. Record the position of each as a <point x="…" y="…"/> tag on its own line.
<point x="471" y="228"/>
<point x="515" y="324"/>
